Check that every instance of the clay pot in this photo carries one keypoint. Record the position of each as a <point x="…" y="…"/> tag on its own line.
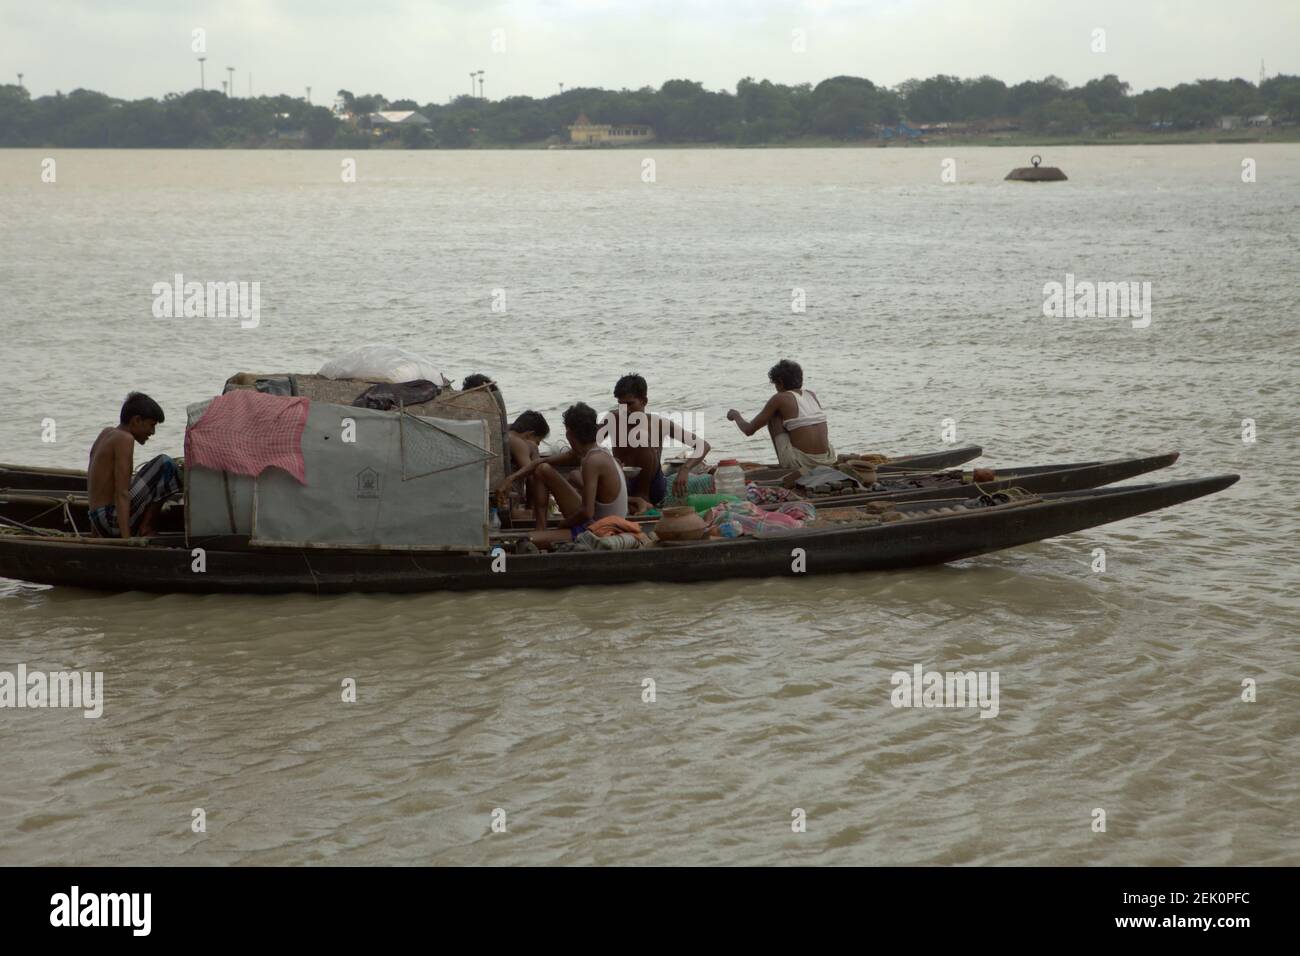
<point x="681" y="524"/>
<point x="983" y="475"/>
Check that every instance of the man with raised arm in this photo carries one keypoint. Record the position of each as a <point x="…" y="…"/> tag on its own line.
<point x="795" y="421"/>
<point x="637" y="438"/>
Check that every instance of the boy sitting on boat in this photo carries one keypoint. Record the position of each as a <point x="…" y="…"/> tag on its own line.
<point x="795" y="420"/>
<point x="637" y="438"/>
<point x="527" y="432"/>
<point x="122" y="505"/>
<point x="600" y="489"/>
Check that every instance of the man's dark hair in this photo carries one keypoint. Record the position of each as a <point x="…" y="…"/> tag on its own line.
<point x="787" y="374"/>
<point x="474" y="381"/>
<point x="531" y="421"/>
<point x="630" y="384"/>
<point x="581" y="420"/>
<point x="138" y="403"/>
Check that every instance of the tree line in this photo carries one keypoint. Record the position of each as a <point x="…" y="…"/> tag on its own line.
<point x="681" y="111"/>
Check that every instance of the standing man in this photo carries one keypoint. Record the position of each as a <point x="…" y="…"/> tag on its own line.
<point x="795" y="421"/>
<point x="637" y="439"/>
<point x="120" y="505"/>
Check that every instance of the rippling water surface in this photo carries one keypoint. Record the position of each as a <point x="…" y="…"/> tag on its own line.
<point x="1119" y="690"/>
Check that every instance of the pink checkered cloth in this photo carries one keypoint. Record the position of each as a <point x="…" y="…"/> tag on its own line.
<point x="246" y="432"/>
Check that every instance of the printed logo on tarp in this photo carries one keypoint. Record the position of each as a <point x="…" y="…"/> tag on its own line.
<point x="213" y="300"/>
<point x="133" y="910"/>
<point x="81" y="689"/>
<point x="368" y="481"/>
<point x="1098" y="300"/>
<point x="922" y="688"/>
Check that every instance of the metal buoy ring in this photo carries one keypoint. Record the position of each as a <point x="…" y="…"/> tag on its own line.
<point x="1035" y="160"/>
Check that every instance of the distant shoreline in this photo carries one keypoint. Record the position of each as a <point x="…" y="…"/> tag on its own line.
<point x="1290" y="134"/>
<point x="1280" y="135"/>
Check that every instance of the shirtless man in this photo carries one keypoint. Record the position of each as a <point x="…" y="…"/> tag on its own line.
<point x="122" y="506"/>
<point x="528" y="431"/>
<point x="795" y="420"/>
<point x="637" y="437"/>
<point x="603" y="491"/>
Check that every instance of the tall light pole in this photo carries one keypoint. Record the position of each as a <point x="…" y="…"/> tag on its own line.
<point x="561" y="89"/>
<point x="230" y="71"/>
<point x="201" y="59"/>
<point x="480" y="84"/>
<point x="20" y="81"/>
<point x="471" y="84"/>
<point x="309" y="96"/>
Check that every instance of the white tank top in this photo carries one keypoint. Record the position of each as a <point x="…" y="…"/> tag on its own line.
<point x="810" y="411"/>
<point x="619" y="505"/>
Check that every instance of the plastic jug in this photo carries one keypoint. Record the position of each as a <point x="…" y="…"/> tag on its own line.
<point x="729" y="478"/>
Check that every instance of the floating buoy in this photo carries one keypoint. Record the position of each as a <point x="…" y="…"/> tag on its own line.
<point x="1035" y="173"/>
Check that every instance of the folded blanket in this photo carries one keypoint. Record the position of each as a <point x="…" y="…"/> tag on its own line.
<point x="613" y="525"/>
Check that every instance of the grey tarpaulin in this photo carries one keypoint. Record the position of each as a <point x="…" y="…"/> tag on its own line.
<point x="405" y="482"/>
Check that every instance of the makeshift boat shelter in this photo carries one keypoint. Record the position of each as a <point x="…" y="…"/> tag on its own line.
<point x="372" y="479"/>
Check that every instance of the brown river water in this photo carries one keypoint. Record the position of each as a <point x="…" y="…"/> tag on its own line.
<point x="1120" y="690"/>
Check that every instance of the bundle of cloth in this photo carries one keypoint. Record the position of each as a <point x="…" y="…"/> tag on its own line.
<point x="768" y="495"/>
<point x="612" y="533"/>
<point x="732" y="519"/>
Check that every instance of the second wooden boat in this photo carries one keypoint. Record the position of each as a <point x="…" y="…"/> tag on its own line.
<point x="68" y="512"/>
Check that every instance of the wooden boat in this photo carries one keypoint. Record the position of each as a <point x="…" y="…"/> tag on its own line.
<point x="930" y="461"/>
<point x="166" y="563"/>
<point x="26" y="478"/>
<point x="68" y="512"/>
<point x="1039" y="479"/>
<point x="71" y="480"/>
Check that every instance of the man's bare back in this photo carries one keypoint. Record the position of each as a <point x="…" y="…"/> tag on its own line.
<point x="113" y="447"/>
<point x="108" y="477"/>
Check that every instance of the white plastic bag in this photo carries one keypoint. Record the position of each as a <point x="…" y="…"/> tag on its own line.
<point x="383" y="363"/>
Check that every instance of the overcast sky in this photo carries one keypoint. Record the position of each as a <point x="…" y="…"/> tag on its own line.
<point x="426" y="50"/>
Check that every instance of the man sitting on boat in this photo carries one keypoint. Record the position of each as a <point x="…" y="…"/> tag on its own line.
<point x="120" y="505"/>
<point x="795" y="420"/>
<point x="636" y="437"/>
<point x="526" y="433"/>
<point x="601" y="489"/>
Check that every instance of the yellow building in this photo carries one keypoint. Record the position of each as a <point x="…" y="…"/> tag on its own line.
<point x="584" y="132"/>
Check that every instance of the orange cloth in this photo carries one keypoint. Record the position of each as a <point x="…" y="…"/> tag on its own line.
<point x="613" y="525"/>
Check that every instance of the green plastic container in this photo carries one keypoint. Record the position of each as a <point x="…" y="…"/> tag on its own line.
<point x="702" y="503"/>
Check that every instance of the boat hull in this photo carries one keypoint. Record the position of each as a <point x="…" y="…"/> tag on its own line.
<point x="932" y="461"/>
<point x="62" y="480"/>
<point x="232" y="566"/>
